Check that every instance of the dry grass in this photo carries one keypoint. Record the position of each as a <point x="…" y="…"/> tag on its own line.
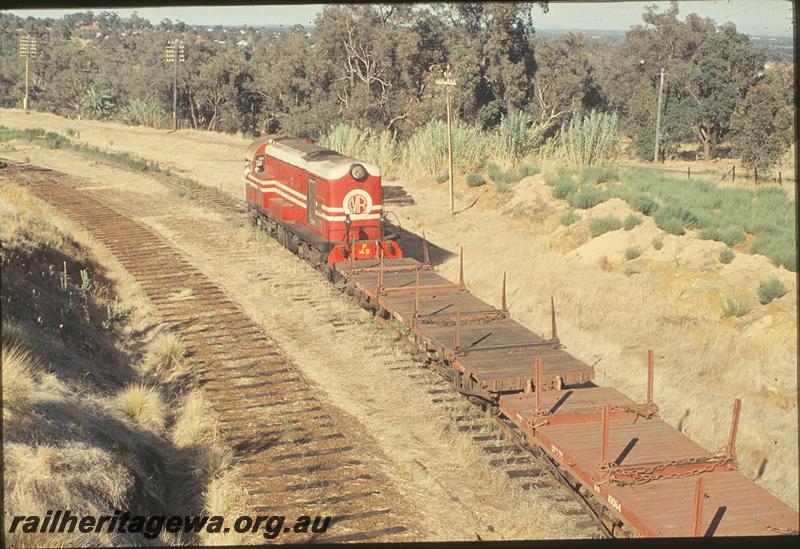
<point x="18" y="381"/>
<point x="164" y="356"/>
<point x="14" y="334"/>
<point x="143" y="405"/>
<point x="194" y="421"/>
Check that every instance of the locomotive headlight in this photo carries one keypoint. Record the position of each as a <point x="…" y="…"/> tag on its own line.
<point x="358" y="172"/>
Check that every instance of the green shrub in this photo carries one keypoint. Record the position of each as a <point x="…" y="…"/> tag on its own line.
<point x="631" y="221"/>
<point x="632" y="252"/>
<point x="641" y="203"/>
<point x="779" y="247"/>
<point x="729" y="235"/>
<point x="527" y="170"/>
<point x="732" y="306"/>
<point x="667" y="223"/>
<point x="442" y="177"/>
<point x="563" y="188"/>
<point x="770" y="289"/>
<point x="658" y="243"/>
<point x="598" y="174"/>
<point x="569" y="217"/>
<point x="726" y="256"/>
<point x="561" y="175"/>
<point x="602" y="225"/>
<point x="586" y="197"/>
<point x="475" y="180"/>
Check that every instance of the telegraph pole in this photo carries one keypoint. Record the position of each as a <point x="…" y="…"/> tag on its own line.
<point x="27" y="49"/>
<point x="449" y="84"/>
<point x="658" y="116"/>
<point x="174" y="54"/>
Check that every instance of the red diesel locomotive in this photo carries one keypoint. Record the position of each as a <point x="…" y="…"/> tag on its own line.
<point x="321" y="205"/>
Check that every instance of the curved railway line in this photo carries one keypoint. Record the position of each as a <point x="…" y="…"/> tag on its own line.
<point x="513" y="438"/>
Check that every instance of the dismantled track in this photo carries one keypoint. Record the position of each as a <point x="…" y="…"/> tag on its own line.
<point x="525" y="417"/>
<point x="293" y="455"/>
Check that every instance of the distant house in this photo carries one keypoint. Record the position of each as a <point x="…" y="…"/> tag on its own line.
<point x="86" y="31"/>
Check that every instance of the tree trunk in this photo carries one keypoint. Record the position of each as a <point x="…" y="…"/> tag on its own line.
<point x="706" y="149"/>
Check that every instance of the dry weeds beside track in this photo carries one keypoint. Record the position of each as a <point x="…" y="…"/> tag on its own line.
<point x="292" y="451"/>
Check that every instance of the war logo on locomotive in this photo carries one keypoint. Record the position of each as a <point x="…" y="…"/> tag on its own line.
<point x="321" y="205"/>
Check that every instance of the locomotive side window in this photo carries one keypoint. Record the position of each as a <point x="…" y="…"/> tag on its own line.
<point x="259" y="165"/>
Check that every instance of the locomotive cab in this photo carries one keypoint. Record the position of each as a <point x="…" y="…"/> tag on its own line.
<point x="322" y="205"/>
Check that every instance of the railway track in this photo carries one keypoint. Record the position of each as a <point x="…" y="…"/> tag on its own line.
<point x="291" y="449"/>
<point x="504" y="446"/>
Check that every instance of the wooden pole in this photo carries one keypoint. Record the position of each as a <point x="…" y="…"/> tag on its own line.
<point x="175" y="91"/>
<point x="733" y="173"/>
<point x="27" y="64"/>
<point x="450" y="148"/>
<point x="658" y="116"/>
<point x="688" y="172"/>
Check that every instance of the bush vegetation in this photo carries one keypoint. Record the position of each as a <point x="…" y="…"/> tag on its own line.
<point x="658" y="243"/>
<point x="475" y="180"/>
<point x="631" y="221"/>
<point x="632" y="252"/>
<point x="602" y="225"/>
<point x="770" y="290"/>
<point x="732" y="306"/>
<point x="569" y="217"/>
<point x="726" y="256"/>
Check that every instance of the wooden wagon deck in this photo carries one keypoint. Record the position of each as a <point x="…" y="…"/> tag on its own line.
<point x="649" y="474"/>
<point x="494" y="353"/>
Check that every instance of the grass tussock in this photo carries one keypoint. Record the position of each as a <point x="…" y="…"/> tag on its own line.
<point x="631" y="221"/>
<point x="475" y="180"/>
<point x="658" y="243"/>
<point x="165" y="355"/>
<point x="143" y="405"/>
<point x="770" y="290"/>
<point x="194" y="421"/>
<point x="602" y="225"/>
<point x="569" y="217"/>
<point x="736" y="307"/>
<point x="18" y="380"/>
<point x="14" y="334"/>
<point x="632" y="252"/>
<point x="726" y="256"/>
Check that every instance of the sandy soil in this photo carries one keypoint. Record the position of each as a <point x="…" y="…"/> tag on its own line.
<point x="610" y="310"/>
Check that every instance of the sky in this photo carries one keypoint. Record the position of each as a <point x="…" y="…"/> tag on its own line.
<point x="754" y="17"/>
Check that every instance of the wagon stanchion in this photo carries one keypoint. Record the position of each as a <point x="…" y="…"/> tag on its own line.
<point x="699" y="494"/>
<point x="416" y="301"/>
<point x="604" y="443"/>
<point x="650" y="367"/>
<point x="553" y="327"/>
<point x="538" y="365"/>
<point x="461" y="269"/>
<point x="737" y="409"/>
<point x="504" y="304"/>
<point x="457" y="335"/>
<point x="426" y="260"/>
